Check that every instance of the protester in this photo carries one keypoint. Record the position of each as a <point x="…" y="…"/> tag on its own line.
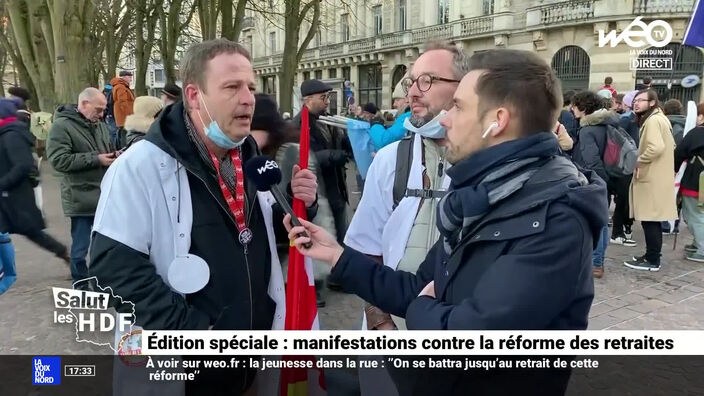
<point x="619" y="109"/>
<point x="607" y="85"/>
<point x="123" y="101"/>
<point x="21" y="96"/>
<point x="594" y="120"/>
<point x="628" y="120"/>
<point x="170" y="94"/>
<point x="146" y="109"/>
<point x="79" y="148"/>
<point x="647" y="81"/>
<point x="382" y="136"/>
<point x="674" y="112"/>
<point x="279" y="140"/>
<point x="398" y="229"/>
<point x="651" y="197"/>
<point x="369" y="112"/>
<point x="195" y="217"/>
<point x="332" y="150"/>
<point x="691" y="149"/>
<point x="566" y="117"/>
<point x="18" y="177"/>
<point x="518" y="229"/>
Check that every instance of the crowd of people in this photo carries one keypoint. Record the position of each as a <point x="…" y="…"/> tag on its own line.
<point x="486" y="205"/>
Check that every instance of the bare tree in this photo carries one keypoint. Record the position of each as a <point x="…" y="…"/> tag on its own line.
<point x="147" y="14"/>
<point x="294" y="14"/>
<point x="116" y="25"/>
<point x="208" y="16"/>
<point x="232" y="26"/>
<point x="173" y="21"/>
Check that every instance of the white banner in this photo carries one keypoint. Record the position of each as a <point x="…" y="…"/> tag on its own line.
<point x="354" y="342"/>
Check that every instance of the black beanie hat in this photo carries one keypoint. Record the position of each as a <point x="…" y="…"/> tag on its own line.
<point x="266" y="115"/>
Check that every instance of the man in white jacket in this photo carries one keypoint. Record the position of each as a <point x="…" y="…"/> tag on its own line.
<point x="180" y="232"/>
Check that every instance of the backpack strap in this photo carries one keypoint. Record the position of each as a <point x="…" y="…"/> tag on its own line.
<point x="404" y="159"/>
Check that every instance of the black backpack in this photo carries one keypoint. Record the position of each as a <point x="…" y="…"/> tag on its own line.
<point x="109" y="111"/>
<point x="404" y="159"/>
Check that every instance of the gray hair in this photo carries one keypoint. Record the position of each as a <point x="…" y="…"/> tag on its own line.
<point x="460" y="61"/>
<point x="196" y="58"/>
<point x="89" y="94"/>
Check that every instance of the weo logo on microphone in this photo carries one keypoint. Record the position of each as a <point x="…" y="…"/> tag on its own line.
<point x="656" y="34"/>
<point x="267" y="166"/>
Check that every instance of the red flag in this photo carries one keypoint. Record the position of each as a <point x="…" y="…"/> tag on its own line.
<point x="301" y="308"/>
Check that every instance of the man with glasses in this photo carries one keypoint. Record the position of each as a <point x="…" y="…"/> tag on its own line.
<point x="332" y="150"/>
<point x="395" y="220"/>
<point x="79" y="147"/>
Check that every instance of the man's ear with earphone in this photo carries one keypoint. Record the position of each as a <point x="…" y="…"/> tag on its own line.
<point x="491" y="127"/>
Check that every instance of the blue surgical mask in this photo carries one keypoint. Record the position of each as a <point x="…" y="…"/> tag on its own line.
<point x="432" y="129"/>
<point x="214" y="133"/>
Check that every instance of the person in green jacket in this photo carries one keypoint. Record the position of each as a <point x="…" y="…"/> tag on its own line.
<point x="79" y="147"/>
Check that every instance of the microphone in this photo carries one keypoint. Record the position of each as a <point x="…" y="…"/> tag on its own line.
<point x="266" y="175"/>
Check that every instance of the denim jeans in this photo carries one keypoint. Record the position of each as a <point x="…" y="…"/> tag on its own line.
<point x="694" y="216"/>
<point x="600" y="251"/>
<point x="81" y="227"/>
<point x="7" y="263"/>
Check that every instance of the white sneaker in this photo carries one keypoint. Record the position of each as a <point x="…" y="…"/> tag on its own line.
<point x="623" y="241"/>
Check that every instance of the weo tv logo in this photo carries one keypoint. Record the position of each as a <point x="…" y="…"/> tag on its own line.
<point x="657" y="33"/>
<point x="268" y="166"/>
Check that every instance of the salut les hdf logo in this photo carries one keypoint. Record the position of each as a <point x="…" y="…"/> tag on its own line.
<point x="46" y="370"/>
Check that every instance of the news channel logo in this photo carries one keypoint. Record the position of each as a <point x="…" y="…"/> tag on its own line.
<point x="46" y="370"/>
<point x="637" y="35"/>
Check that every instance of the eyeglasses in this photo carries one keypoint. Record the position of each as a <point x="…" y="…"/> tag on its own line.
<point x="324" y="97"/>
<point x="424" y="81"/>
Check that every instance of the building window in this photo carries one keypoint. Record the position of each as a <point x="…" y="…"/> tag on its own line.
<point x="370" y="84"/>
<point x="488" y="7"/>
<point x="345" y="25"/>
<point x="332" y="73"/>
<point x="402" y="15"/>
<point x="159" y="75"/>
<point x="376" y="12"/>
<point x="346" y="74"/>
<point x="443" y="11"/>
<point x="306" y="75"/>
<point x="319" y="74"/>
<point x="248" y="44"/>
<point x="572" y="65"/>
<point x="272" y="43"/>
<point x="269" y="85"/>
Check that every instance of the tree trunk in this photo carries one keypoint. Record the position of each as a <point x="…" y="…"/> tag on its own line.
<point x="3" y="66"/>
<point x="171" y="28"/>
<point x="294" y="15"/>
<point x="147" y="15"/>
<point x="120" y="23"/>
<point x="232" y="27"/>
<point x="70" y="22"/>
<point x="208" y="16"/>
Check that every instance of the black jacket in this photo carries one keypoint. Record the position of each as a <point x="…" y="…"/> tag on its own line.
<point x="18" y="210"/>
<point x="236" y="296"/>
<point x="569" y="122"/>
<point x="591" y="141"/>
<point x="677" y="122"/>
<point x="526" y="265"/>
<point x="332" y="150"/>
<point x="692" y="145"/>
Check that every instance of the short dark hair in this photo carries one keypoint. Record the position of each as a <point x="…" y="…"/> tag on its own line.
<point x="672" y="107"/>
<point x="195" y="60"/>
<point x="647" y="80"/>
<point x="567" y="98"/>
<point x="608" y="81"/>
<point x="619" y="98"/>
<point x="19" y="92"/>
<point x="588" y="102"/>
<point x="700" y="108"/>
<point x="522" y="80"/>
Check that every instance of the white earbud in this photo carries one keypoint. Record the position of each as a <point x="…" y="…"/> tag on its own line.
<point x="493" y="125"/>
